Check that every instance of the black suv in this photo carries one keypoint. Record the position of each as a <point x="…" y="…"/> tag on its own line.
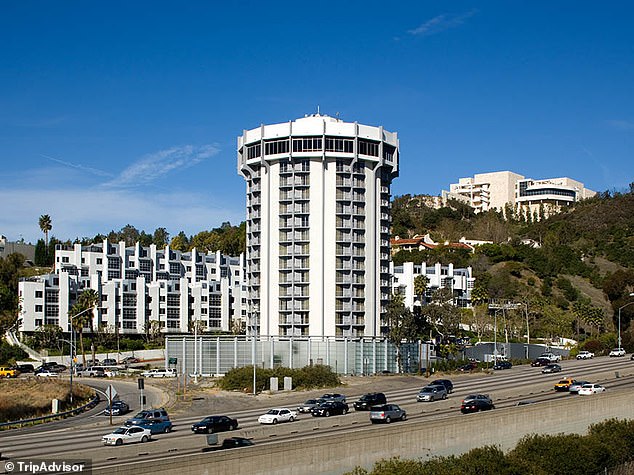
<point x="150" y="414"/>
<point x="443" y="382"/>
<point x="368" y="400"/>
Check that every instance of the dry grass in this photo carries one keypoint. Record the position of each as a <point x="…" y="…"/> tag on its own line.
<point x="31" y="397"/>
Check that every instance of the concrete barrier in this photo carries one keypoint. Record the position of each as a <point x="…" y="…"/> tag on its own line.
<point x="365" y="445"/>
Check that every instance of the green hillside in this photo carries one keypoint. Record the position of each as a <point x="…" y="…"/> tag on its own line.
<point x="571" y="271"/>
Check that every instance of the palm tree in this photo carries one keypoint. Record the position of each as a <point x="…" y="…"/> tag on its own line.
<point x="420" y="286"/>
<point x="80" y="316"/>
<point x="46" y="225"/>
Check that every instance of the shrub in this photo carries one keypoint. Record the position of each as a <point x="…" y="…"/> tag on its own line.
<point x="308" y="377"/>
<point x="9" y="354"/>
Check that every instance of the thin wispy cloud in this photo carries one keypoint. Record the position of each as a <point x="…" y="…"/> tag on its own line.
<point x="441" y="23"/>
<point x="77" y="166"/>
<point x="621" y="124"/>
<point x="154" y="166"/>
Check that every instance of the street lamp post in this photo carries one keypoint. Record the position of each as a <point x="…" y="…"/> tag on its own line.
<point x="72" y="347"/>
<point x="627" y="304"/>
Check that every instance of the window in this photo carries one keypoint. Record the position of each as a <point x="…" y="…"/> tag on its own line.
<point x="38" y="308"/>
<point x="276" y="146"/>
<point x="38" y="294"/>
<point x="388" y="152"/>
<point x="65" y="259"/>
<point x="339" y="145"/>
<point x="368" y="148"/>
<point x="307" y="144"/>
<point x="254" y="151"/>
<point x="99" y="261"/>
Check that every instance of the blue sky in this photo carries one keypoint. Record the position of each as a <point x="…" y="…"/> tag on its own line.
<point x="115" y="113"/>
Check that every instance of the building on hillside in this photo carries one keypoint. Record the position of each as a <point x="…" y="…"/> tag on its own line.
<point x="318" y="226"/>
<point x="459" y="280"/>
<point x="527" y="197"/>
<point x="426" y="243"/>
<point x="137" y="285"/>
<point x="20" y="247"/>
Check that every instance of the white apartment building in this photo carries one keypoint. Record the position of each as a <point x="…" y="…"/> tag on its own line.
<point x="137" y="285"/>
<point x="493" y="191"/>
<point x="459" y="280"/>
<point x="318" y="226"/>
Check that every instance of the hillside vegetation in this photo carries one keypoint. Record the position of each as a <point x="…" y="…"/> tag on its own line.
<point x="571" y="272"/>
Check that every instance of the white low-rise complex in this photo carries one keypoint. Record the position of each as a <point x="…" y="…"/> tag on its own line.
<point x="459" y="280"/>
<point x="537" y="198"/>
<point x="138" y="285"/>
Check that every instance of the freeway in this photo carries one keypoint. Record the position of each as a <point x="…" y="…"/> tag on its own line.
<point x="506" y="388"/>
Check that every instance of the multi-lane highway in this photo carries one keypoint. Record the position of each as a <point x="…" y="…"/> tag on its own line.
<point x="82" y="437"/>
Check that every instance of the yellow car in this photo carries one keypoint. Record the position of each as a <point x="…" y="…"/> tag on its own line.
<point x="564" y="384"/>
<point x="6" y="372"/>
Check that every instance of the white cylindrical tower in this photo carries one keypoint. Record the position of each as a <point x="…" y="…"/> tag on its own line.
<point x="318" y="226"/>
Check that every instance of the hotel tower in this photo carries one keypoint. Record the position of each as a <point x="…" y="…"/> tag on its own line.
<point x="318" y="226"/>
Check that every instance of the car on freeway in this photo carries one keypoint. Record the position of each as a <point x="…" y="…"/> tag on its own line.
<point x="431" y="393"/>
<point x="617" y="352"/>
<point x="129" y="360"/>
<point x="502" y="365"/>
<point x="52" y="366"/>
<point x="159" y="373"/>
<point x="308" y="405"/>
<point x="476" y="403"/>
<point x="585" y="355"/>
<point x="564" y="384"/>
<point x="148" y="414"/>
<point x="330" y="408"/>
<point x="92" y="372"/>
<point x="387" y="413"/>
<point x="45" y="373"/>
<point x="24" y="368"/>
<point x="540" y="362"/>
<point x="366" y="401"/>
<point x="552" y="357"/>
<point x="211" y="424"/>
<point x="6" y="372"/>
<point x="279" y="414"/>
<point x="471" y="366"/>
<point x="117" y="408"/>
<point x="443" y="382"/>
<point x="156" y="426"/>
<point x="124" y="435"/>
<point x="574" y="388"/>
<point x="94" y="362"/>
<point x="551" y="368"/>
<point x="334" y="397"/>
<point x="524" y="402"/>
<point x="109" y="362"/>
<point x="632" y="356"/>
<point x="589" y="389"/>
<point x="233" y="443"/>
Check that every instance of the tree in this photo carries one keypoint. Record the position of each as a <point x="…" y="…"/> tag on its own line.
<point x="81" y="316"/>
<point x="160" y="237"/>
<point x="46" y="225"/>
<point x="40" y="253"/>
<point x="180" y="242"/>
<point x="9" y="299"/>
<point x="420" y="286"/>
<point x="401" y="325"/>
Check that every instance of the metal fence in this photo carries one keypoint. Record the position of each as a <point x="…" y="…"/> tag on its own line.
<point x="207" y="355"/>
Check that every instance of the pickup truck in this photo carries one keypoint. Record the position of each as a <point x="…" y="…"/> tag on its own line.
<point x="159" y="373"/>
<point x="552" y="357"/>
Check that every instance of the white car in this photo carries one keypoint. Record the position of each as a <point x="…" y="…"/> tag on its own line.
<point x="617" y="352"/>
<point x="159" y="373"/>
<point x="124" y="435"/>
<point x="46" y="374"/>
<point x="585" y="355"/>
<point x="279" y="414"/>
<point x="589" y="389"/>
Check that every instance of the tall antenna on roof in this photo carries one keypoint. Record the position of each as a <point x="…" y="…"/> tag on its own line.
<point x="317" y="109"/>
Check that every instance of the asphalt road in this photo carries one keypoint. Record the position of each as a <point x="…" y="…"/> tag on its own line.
<point x="506" y="387"/>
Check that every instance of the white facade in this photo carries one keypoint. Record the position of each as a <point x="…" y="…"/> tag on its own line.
<point x="459" y="280"/>
<point x="493" y="191"/>
<point x="318" y="224"/>
<point x="137" y="285"/>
